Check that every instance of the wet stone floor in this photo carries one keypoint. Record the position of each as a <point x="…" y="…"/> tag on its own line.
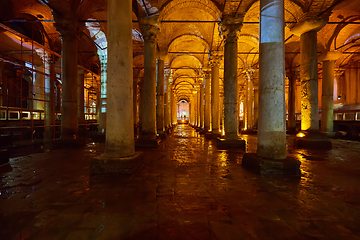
<point x="184" y="189"/>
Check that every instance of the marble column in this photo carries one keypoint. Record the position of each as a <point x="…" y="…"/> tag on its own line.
<point x="215" y="96"/>
<point x="69" y="33"/>
<point x="141" y="102"/>
<point x="81" y="103"/>
<point x="207" y="107"/>
<point x="270" y="157"/>
<point x="310" y="136"/>
<point x="327" y="97"/>
<point x="198" y="101"/>
<point x="249" y="102"/>
<point x="167" y="107"/>
<point x="103" y="98"/>
<point x="160" y="99"/>
<point x="49" y="97"/>
<point x="119" y="122"/>
<point x="291" y="105"/>
<point x="256" y="106"/>
<point x="38" y="88"/>
<point x="149" y="30"/>
<point x="231" y="26"/>
<point x="202" y="106"/>
<point x="135" y="103"/>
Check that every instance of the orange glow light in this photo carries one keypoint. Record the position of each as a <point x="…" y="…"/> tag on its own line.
<point x="300" y="134"/>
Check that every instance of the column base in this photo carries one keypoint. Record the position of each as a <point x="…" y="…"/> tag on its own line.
<point x="145" y="141"/>
<point x="263" y="166"/>
<point x="161" y="135"/>
<point x="104" y="165"/>
<point x="212" y="135"/>
<point x="224" y="144"/>
<point x="312" y="140"/>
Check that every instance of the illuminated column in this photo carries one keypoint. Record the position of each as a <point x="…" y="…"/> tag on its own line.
<point x="167" y="107"/>
<point x="291" y="112"/>
<point x="231" y="26"/>
<point x="102" y="114"/>
<point x="310" y="136"/>
<point x="174" y="109"/>
<point x="80" y="93"/>
<point x="270" y="157"/>
<point x="49" y="105"/>
<point x="38" y="87"/>
<point x="198" y="125"/>
<point x="141" y="101"/>
<point x="202" y="107"/>
<point x="256" y="106"/>
<point x="327" y="97"/>
<point x="160" y="99"/>
<point x="215" y="96"/>
<point x="119" y="122"/>
<point x="249" y="102"/>
<point x="69" y="32"/>
<point x="149" y="30"/>
<point x="207" y="107"/>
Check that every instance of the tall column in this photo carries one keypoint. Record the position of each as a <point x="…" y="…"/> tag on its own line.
<point x="202" y="107"/>
<point x="174" y="109"/>
<point x="167" y="107"/>
<point x="81" y="104"/>
<point x="249" y="102"/>
<point x="119" y="122"/>
<point x="327" y="97"/>
<point x="310" y="137"/>
<point x="215" y="96"/>
<point x="69" y="32"/>
<point x="149" y="31"/>
<point x="231" y="27"/>
<point x="135" y="102"/>
<point x="207" y="107"/>
<point x="256" y="106"/>
<point x="270" y="157"/>
<point x="141" y="102"/>
<point x="103" y="90"/>
<point x="38" y="103"/>
<point x="160" y="99"/>
<point x="49" y="103"/>
<point x="291" y="112"/>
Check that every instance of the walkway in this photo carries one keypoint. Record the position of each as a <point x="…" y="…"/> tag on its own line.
<point x="185" y="189"/>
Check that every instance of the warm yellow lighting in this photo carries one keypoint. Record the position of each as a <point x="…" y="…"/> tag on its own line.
<point x="300" y="134"/>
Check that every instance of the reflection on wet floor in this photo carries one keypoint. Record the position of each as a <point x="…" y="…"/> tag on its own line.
<point x="185" y="189"/>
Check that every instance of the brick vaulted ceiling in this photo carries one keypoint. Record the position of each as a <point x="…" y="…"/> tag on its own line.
<point x="191" y="29"/>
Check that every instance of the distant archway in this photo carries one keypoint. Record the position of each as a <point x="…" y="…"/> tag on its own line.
<point x="183" y="111"/>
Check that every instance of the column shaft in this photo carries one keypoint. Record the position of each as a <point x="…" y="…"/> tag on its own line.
<point x="103" y="90"/>
<point x="327" y="101"/>
<point x="291" y="104"/>
<point x="160" y="97"/>
<point x="119" y="122"/>
<point x="207" y="120"/>
<point x="135" y="101"/>
<point x="309" y="81"/>
<point x="38" y="87"/>
<point x="167" y="106"/>
<point x="231" y="115"/>
<point x="81" y="104"/>
<point x="202" y="107"/>
<point x="271" y="129"/>
<point x="69" y="120"/>
<point x="215" y="96"/>
<point x="49" y="90"/>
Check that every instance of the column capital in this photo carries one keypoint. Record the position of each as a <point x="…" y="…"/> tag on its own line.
<point x="207" y="73"/>
<point x="309" y="23"/>
<point x="149" y="28"/>
<point x="215" y="59"/>
<point x="230" y="26"/>
<point x="67" y="27"/>
<point x="330" y="56"/>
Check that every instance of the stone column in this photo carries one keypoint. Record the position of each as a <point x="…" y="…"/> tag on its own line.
<point x="249" y="102"/>
<point x="231" y="27"/>
<point x="327" y="97"/>
<point x="167" y="107"/>
<point x="69" y="32"/>
<point x="207" y="107"/>
<point x="202" y="107"/>
<point x="310" y="137"/>
<point x="141" y="102"/>
<point x="149" y="31"/>
<point x="103" y="90"/>
<point x="256" y="106"/>
<point x="135" y="103"/>
<point x="81" y="104"/>
<point x="160" y="99"/>
<point x="198" y="101"/>
<point x="174" y="109"/>
<point x="119" y="122"/>
<point x="291" y="113"/>
<point x="39" y="84"/>
<point x="215" y="96"/>
<point x="270" y="157"/>
<point x="49" y="103"/>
